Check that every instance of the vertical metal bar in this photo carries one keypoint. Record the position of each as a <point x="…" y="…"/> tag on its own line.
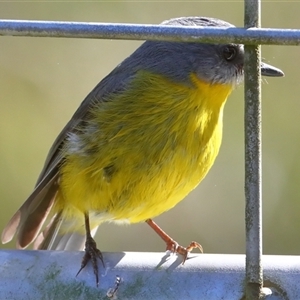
<point x="254" y="277"/>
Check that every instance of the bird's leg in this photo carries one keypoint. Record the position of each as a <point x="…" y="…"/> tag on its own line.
<point x="92" y="253"/>
<point x="173" y="245"/>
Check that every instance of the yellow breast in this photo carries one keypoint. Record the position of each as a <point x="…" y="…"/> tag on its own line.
<point x="144" y="150"/>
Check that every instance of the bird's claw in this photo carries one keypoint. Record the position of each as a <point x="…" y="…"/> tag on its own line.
<point x="174" y="247"/>
<point x="92" y="253"/>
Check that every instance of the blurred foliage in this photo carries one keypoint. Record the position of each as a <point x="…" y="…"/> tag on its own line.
<point x="43" y="80"/>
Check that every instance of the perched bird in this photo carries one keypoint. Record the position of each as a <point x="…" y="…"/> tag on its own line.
<point x="143" y="138"/>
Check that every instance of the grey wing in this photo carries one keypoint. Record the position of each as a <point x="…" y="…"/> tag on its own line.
<point x="28" y="220"/>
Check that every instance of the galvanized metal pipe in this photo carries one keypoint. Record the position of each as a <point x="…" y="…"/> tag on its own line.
<point x="139" y="276"/>
<point x="263" y="36"/>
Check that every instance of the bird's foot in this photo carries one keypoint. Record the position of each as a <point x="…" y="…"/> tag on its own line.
<point x="92" y="253"/>
<point x="174" y="247"/>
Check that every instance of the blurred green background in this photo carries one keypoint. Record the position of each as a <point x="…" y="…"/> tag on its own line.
<point x="43" y="80"/>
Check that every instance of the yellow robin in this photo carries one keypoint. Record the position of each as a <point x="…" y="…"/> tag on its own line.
<point x="143" y="138"/>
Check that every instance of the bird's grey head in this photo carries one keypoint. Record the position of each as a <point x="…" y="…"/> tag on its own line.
<point x="213" y="63"/>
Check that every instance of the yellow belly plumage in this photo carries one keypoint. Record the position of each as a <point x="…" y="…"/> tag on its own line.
<point x="138" y="158"/>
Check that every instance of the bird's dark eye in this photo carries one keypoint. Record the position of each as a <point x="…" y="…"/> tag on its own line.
<point x="230" y="52"/>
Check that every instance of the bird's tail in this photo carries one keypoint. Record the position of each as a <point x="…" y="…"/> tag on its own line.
<point x="27" y="222"/>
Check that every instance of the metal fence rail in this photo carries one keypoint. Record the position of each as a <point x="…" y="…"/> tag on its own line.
<point x="141" y="276"/>
<point x="220" y="276"/>
<point x="253" y="209"/>
<point x="262" y="36"/>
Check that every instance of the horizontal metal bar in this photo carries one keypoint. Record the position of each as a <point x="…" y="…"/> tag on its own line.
<point x="263" y="36"/>
<point x="51" y="275"/>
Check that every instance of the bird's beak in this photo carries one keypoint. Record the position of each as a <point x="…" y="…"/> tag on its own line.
<point x="268" y="70"/>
